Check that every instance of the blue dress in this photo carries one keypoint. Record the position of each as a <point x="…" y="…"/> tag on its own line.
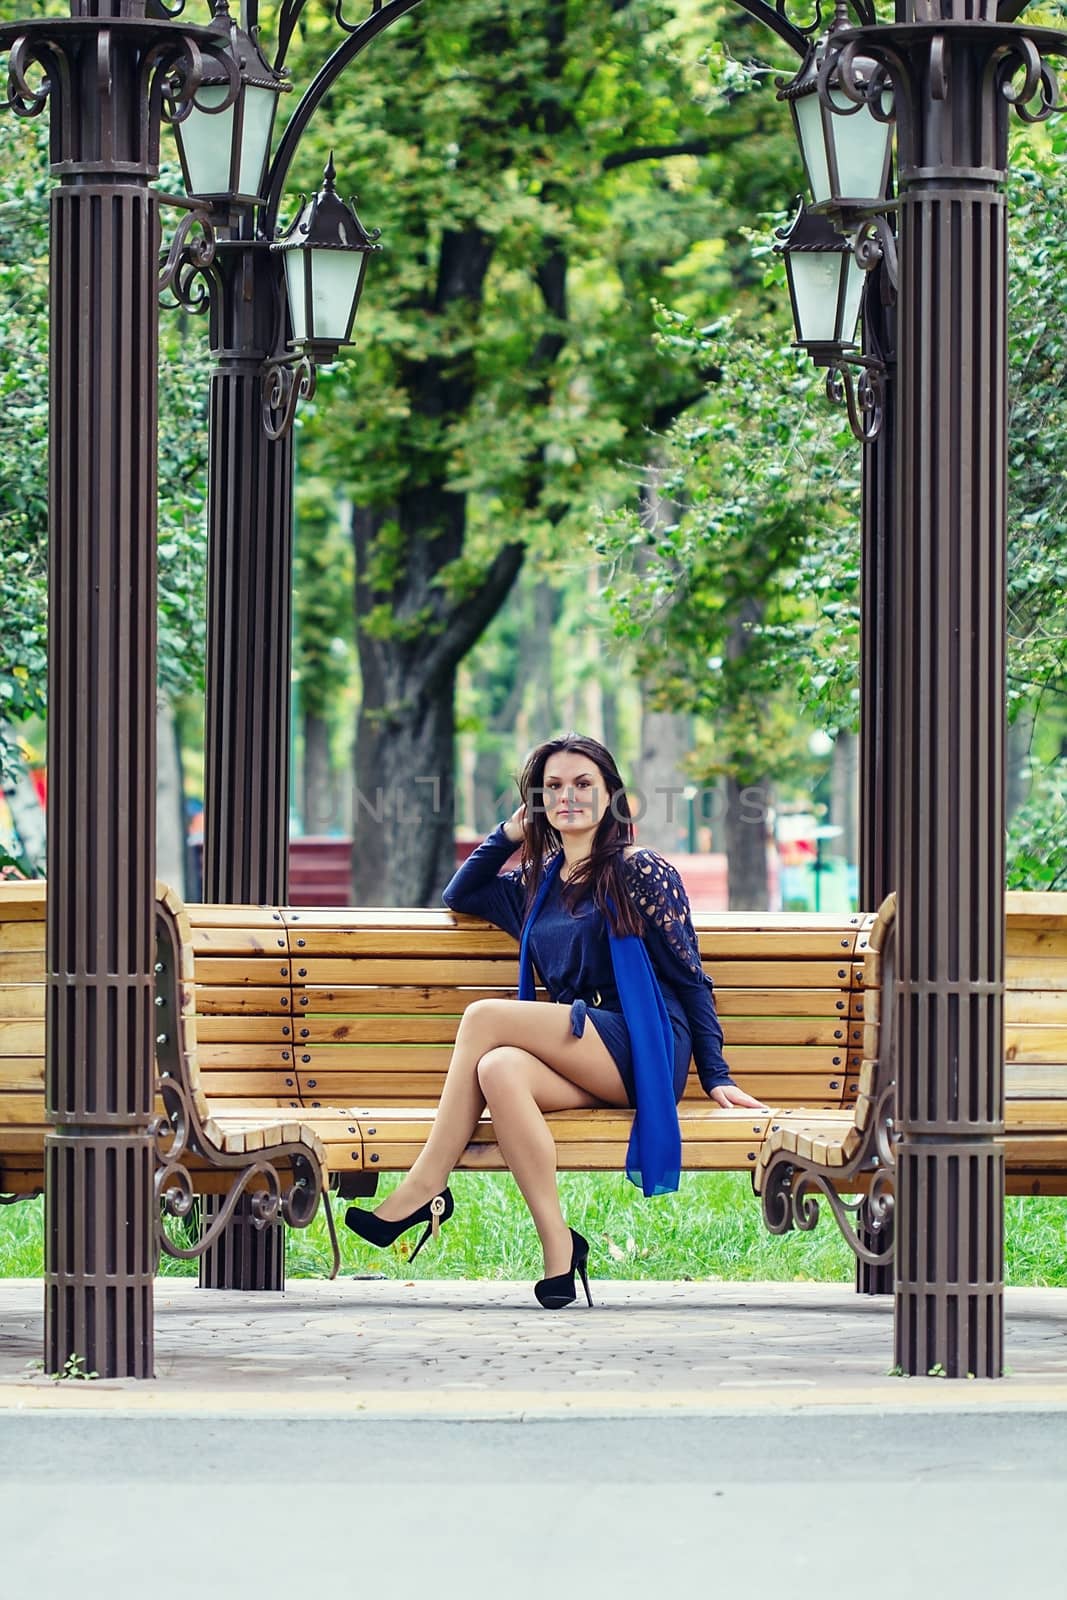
<point x="571" y="952"/>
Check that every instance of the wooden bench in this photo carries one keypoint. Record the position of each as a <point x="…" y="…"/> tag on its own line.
<point x="798" y="1165"/>
<point x="204" y="1144"/>
<point x="331" y="1030"/>
<point x="312" y="1045"/>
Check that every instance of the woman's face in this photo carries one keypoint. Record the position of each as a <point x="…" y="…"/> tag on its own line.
<point x="575" y="794"/>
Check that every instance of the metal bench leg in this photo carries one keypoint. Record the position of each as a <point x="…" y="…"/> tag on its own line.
<point x="244" y="1257"/>
<point x="870" y="1278"/>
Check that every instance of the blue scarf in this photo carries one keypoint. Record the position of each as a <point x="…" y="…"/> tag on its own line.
<point x="654" y="1156"/>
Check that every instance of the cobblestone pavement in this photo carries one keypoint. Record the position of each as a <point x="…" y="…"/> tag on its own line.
<point x="486" y="1349"/>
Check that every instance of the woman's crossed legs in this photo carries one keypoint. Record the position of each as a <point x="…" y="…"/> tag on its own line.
<point x="520" y="1060"/>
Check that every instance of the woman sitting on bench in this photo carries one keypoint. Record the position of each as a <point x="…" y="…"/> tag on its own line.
<point x="608" y="927"/>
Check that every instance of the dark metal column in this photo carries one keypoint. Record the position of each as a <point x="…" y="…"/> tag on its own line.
<point x="250" y="518"/>
<point x="877" y="734"/>
<point x="876" y="614"/>
<point x="948" y="686"/>
<point x="100" y="1072"/>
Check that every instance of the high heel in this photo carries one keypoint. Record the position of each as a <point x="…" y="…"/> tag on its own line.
<point x="555" y="1293"/>
<point x="378" y="1232"/>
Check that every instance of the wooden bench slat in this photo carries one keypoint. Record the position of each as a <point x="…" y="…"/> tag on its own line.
<point x="21" y="1000"/>
<point x="245" y="1029"/>
<point x="225" y="1001"/>
<point x="22" y="936"/>
<point x="244" y="942"/>
<point x="239" y="973"/>
<point x="22" y="1074"/>
<point x="21" y="966"/>
<point x="378" y="1030"/>
<point x="325" y="972"/>
<point x="252" y="1084"/>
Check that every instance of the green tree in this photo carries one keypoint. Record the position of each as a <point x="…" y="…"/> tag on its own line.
<point x="24" y="317"/>
<point x="543" y="171"/>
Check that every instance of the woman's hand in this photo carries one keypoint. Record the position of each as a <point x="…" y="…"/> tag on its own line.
<point x="728" y="1094"/>
<point x="515" y="826"/>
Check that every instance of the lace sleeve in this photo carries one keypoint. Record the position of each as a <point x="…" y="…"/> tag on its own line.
<point x="658" y="892"/>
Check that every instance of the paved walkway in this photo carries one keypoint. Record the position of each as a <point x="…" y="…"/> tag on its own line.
<point x="485" y="1349"/>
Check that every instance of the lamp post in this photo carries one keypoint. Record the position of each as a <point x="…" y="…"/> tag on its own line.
<point x="279" y="304"/>
<point x="107" y="75"/>
<point x="947" y="72"/>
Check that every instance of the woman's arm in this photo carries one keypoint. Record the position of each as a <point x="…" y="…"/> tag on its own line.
<point x="479" y="889"/>
<point x="671" y="941"/>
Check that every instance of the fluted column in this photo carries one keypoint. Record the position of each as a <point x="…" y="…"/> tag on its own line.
<point x="100" y="1069"/>
<point x="250" y="517"/>
<point x="949" y="691"/>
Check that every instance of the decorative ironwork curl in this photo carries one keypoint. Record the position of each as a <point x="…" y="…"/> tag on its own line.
<point x="179" y="1136"/>
<point x="863" y="399"/>
<point x="184" y="270"/>
<point x="287" y="381"/>
<point x="876" y="244"/>
<point x="861" y="79"/>
<point x="24" y="98"/>
<point x="792" y="1184"/>
<point x="1040" y="81"/>
<point x="174" y="71"/>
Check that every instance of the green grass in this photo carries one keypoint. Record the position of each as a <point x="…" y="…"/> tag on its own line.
<point x="710" y="1229"/>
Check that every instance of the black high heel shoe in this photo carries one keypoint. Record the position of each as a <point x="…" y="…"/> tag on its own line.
<point x="377" y="1232"/>
<point x="555" y="1293"/>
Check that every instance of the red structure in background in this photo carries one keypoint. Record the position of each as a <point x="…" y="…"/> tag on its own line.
<point x="320" y="873"/>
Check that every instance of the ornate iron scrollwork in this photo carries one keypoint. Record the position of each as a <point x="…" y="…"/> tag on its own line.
<point x="184" y="271"/>
<point x="26" y="98"/>
<point x="792" y="1185"/>
<point x="864" y="399"/>
<point x="1040" y="81"/>
<point x="180" y="1138"/>
<point x="287" y="381"/>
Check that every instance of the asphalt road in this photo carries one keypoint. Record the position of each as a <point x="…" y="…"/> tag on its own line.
<point x="814" y="1505"/>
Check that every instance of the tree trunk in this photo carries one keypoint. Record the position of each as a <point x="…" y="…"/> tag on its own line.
<point x="659" y="782"/>
<point x="405" y="757"/>
<point x="745" y="830"/>
<point x="318" y="796"/>
<point x="403" y="853"/>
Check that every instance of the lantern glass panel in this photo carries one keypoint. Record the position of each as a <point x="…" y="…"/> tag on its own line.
<point x="824" y="313"/>
<point x="206" y="140"/>
<point x="861" y="148"/>
<point x="808" y="113"/>
<point x="298" y="296"/>
<point x="259" y="107"/>
<point x="335" y="278"/>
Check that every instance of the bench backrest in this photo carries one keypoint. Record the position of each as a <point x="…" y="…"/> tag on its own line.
<point x="376" y="997"/>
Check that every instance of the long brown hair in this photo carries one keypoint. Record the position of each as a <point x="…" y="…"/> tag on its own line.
<point x="601" y="875"/>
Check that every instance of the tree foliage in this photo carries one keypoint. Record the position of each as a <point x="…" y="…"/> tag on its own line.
<point x="542" y="171"/>
<point x="24" y="441"/>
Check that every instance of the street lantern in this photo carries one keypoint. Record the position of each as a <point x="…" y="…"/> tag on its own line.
<point x="846" y="149"/>
<point x="326" y="250"/>
<point x="825" y="286"/>
<point x="224" y="142"/>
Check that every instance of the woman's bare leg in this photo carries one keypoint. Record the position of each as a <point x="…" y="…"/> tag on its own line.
<point x="519" y="1088"/>
<point x="541" y="1029"/>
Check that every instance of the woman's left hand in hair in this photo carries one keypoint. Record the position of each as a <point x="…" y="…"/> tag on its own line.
<point x="729" y="1095"/>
